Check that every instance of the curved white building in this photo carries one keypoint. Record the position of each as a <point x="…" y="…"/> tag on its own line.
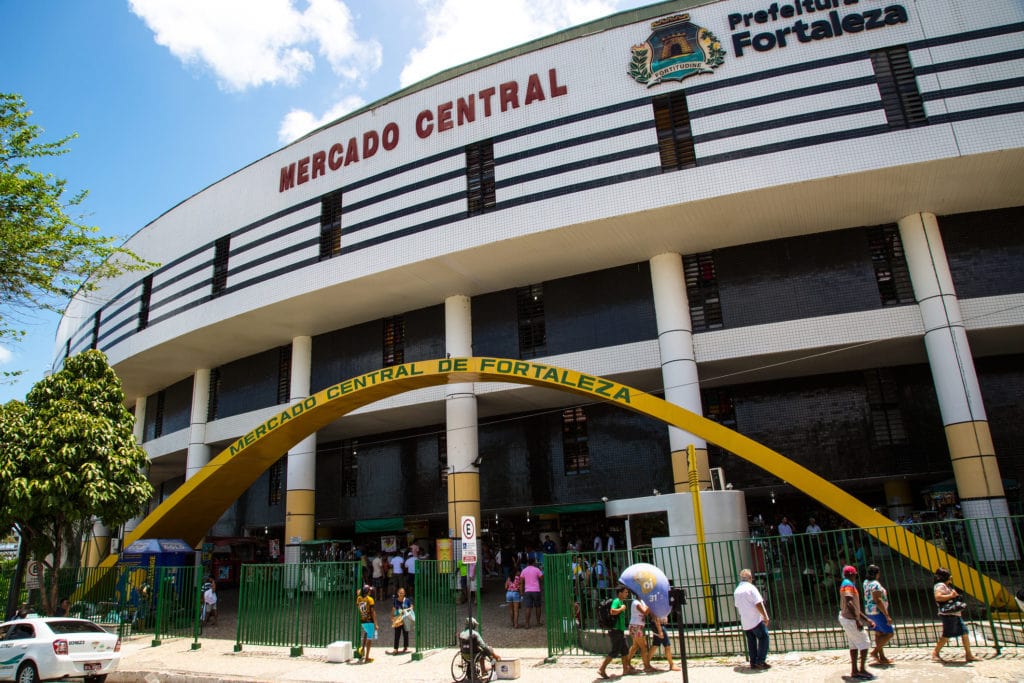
<point x="804" y="219"/>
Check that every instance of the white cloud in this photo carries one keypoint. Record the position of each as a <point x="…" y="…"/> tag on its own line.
<point x="247" y="44"/>
<point x="459" y="31"/>
<point x="298" y="122"/>
<point x="5" y="355"/>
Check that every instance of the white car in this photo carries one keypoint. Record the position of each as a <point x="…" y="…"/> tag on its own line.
<point x="48" y="648"/>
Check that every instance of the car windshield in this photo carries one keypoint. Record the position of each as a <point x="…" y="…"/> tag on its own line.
<point x="65" y="626"/>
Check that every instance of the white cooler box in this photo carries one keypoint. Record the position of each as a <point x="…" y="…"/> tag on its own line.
<point x="339" y="651"/>
<point x="507" y="669"/>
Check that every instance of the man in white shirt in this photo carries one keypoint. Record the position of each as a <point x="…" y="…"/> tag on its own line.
<point x="398" y="571"/>
<point x="753" y="620"/>
<point x="410" y="574"/>
<point x="377" y="565"/>
<point x="812" y="527"/>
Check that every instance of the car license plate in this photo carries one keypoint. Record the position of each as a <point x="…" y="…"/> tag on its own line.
<point x="93" y="666"/>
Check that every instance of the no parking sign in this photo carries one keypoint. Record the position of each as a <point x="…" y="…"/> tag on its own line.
<point x="34" y="575"/>
<point x="468" y="527"/>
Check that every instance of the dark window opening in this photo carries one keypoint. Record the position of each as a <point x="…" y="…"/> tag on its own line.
<point x="887" y="428"/>
<point x="147" y="294"/>
<point x="574" y="441"/>
<point x="214" y="392"/>
<point x="702" y="292"/>
<point x="897" y="84"/>
<point x="394" y="341"/>
<point x="890" y="264"/>
<point x="533" y="337"/>
<point x="158" y="418"/>
<point x="480" y="195"/>
<point x="719" y="407"/>
<point x="675" y="138"/>
<point x="349" y="468"/>
<point x="94" y="344"/>
<point x="275" y="491"/>
<point x="330" y="225"/>
<point x="221" y="252"/>
<point x="442" y="457"/>
<point x="284" y="374"/>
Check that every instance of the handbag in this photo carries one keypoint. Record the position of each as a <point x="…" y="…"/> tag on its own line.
<point x="410" y="617"/>
<point x="952" y="606"/>
<point x="397" y="621"/>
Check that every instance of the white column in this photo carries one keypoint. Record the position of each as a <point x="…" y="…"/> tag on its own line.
<point x="461" y="416"/>
<point x="300" y="501"/>
<point x="979" y="484"/>
<point x="678" y="364"/>
<point x="198" y="450"/>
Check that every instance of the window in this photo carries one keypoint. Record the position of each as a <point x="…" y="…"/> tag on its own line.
<point x="349" y="469"/>
<point x="890" y="264"/>
<point x="147" y="294"/>
<point x="95" y="331"/>
<point x="275" y="490"/>
<point x="158" y="418"/>
<point x="533" y="337"/>
<point x="211" y="403"/>
<point x="886" y="417"/>
<point x="221" y="250"/>
<point x="442" y="456"/>
<point x="675" y="138"/>
<point x="574" y="441"/>
<point x="897" y="84"/>
<point x="480" y="177"/>
<point x="330" y="225"/>
<point x="284" y="374"/>
<point x="720" y="407"/>
<point x="702" y="292"/>
<point x="394" y="341"/>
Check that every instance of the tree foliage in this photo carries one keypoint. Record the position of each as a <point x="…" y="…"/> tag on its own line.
<point x="69" y="455"/>
<point x="47" y="255"/>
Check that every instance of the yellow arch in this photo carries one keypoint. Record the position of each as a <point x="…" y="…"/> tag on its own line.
<point x="198" y="503"/>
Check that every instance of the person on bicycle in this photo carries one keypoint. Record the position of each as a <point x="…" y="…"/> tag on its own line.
<point x="471" y="644"/>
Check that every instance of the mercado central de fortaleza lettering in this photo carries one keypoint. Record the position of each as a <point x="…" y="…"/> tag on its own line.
<point x="538" y="372"/>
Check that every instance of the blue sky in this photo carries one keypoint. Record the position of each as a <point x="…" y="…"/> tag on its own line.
<point x="169" y="96"/>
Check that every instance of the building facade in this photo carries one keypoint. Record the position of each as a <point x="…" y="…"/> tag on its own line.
<point x="803" y="219"/>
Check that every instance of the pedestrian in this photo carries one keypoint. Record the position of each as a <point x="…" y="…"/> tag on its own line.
<point x="951" y="606"/>
<point x="876" y="606"/>
<point x="377" y="567"/>
<point x="638" y="613"/>
<point x="812" y="527"/>
<point x="661" y="640"/>
<point x="63" y="608"/>
<point x="853" y="621"/>
<point x="532" y="594"/>
<point x="398" y="570"/>
<point x="410" y="574"/>
<point x="210" y="604"/>
<point x="753" y="619"/>
<point x="785" y="536"/>
<point x="400" y="609"/>
<point x="368" y="622"/>
<point x="617" y="636"/>
<point x="514" y="596"/>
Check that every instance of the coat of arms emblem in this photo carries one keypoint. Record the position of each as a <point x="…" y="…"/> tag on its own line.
<point x="676" y="48"/>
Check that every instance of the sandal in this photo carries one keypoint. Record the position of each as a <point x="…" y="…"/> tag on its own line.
<point x="602" y="674"/>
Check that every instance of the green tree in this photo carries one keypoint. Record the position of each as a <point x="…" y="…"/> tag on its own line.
<point x="72" y="457"/>
<point x="48" y="255"/>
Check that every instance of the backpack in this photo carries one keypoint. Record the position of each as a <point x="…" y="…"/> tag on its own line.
<point x="605" y="618"/>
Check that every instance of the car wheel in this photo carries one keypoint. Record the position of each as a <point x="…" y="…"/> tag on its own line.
<point x="95" y="679"/>
<point x="27" y="673"/>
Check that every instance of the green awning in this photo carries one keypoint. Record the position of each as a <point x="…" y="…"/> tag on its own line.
<point x="568" y="507"/>
<point x="369" y="526"/>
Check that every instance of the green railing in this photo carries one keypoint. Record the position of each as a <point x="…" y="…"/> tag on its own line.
<point x="799" y="577"/>
<point x="178" y="599"/>
<point x="300" y="605"/>
<point x="441" y="608"/>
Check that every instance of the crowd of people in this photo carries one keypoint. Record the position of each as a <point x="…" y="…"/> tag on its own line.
<point x="858" y="619"/>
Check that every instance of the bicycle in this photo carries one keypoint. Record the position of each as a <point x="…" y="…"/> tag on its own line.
<point x="460" y="667"/>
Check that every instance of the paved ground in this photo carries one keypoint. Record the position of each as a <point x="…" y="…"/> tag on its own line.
<point x="175" y="662"/>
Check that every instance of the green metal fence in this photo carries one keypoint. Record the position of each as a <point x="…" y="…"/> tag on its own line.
<point x="799" y="577"/>
<point x="299" y="605"/>
<point x="441" y="604"/>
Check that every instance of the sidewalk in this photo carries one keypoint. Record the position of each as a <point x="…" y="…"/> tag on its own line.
<point x="175" y="662"/>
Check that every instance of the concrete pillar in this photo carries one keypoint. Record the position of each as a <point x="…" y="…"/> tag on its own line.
<point x="198" y="450"/>
<point x="678" y="365"/>
<point x="979" y="484"/>
<point x="461" y="417"/>
<point x="300" y="498"/>
<point x="97" y="545"/>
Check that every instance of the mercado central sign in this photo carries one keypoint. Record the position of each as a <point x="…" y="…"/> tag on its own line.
<point x="598" y="386"/>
